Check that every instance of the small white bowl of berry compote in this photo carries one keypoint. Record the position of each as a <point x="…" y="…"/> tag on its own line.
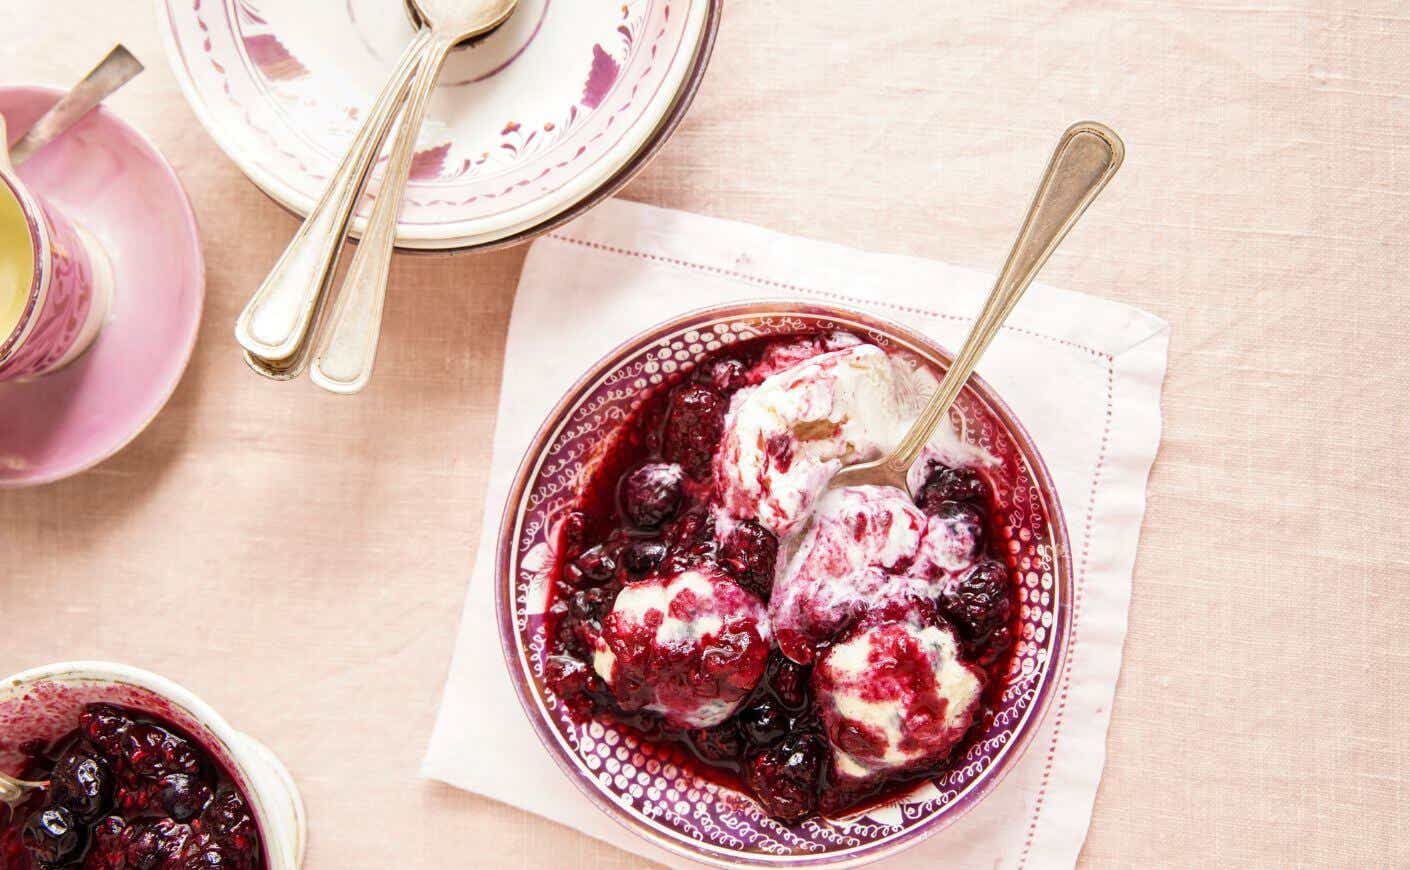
<point x="743" y="666"/>
<point x="138" y="774"/>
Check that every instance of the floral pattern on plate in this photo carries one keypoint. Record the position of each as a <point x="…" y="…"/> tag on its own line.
<point x="527" y="121"/>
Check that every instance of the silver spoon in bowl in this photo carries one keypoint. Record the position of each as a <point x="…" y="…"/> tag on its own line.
<point x="274" y="327"/>
<point x="347" y="349"/>
<point x="1086" y="158"/>
<point x="14" y="792"/>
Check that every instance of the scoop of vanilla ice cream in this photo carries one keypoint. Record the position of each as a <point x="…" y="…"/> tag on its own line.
<point x="950" y="546"/>
<point x="785" y="438"/>
<point x="853" y="556"/>
<point x="689" y="645"/>
<point x="895" y="695"/>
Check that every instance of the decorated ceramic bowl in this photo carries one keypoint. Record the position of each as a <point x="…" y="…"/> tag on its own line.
<point x="529" y="126"/>
<point x="656" y="789"/>
<point x="43" y="704"/>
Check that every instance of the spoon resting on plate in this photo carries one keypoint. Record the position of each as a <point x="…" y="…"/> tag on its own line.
<point x="111" y="73"/>
<point x="347" y="349"/>
<point x="1087" y="156"/>
<point x="274" y="329"/>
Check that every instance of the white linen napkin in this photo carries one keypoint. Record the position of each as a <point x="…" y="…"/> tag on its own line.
<point x="1083" y="374"/>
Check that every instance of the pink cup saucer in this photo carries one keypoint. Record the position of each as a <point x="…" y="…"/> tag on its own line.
<point x="114" y="183"/>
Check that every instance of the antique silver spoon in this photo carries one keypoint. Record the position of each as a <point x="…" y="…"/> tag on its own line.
<point x="274" y="326"/>
<point x="111" y="73"/>
<point x="347" y="349"/>
<point x="1086" y="158"/>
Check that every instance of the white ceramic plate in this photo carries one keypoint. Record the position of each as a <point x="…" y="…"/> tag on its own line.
<point x="526" y="124"/>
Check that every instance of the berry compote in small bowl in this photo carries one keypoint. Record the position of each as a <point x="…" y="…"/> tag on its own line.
<point x="139" y="774"/>
<point x="742" y="667"/>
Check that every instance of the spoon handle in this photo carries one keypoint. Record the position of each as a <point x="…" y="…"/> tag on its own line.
<point x="347" y="349"/>
<point x="276" y="321"/>
<point x="1086" y="158"/>
<point x="13" y="791"/>
<point x="111" y="73"/>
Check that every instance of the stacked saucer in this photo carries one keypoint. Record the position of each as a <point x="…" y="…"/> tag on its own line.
<point x="531" y="125"/>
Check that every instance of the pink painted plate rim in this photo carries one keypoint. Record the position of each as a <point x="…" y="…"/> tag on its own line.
<point x="615" y="183"/>
<point x="663" y="127"/>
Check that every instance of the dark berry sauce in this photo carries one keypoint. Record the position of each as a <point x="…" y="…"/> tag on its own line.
<point x="128" y="792"/>
<point x="631" y="521"/>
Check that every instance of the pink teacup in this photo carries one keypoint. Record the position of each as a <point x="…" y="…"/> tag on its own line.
<point x="59" y="282"/>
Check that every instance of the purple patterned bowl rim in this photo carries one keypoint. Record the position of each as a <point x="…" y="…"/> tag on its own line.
<point x="934" y="354"/>
<point x="665" y="127"/>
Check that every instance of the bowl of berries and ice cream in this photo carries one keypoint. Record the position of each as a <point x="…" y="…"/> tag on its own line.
<point x="744" y="665"/>
<point x="134" y="772"/>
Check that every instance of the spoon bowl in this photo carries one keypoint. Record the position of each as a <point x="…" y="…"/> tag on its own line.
<point x="469" y="19"/>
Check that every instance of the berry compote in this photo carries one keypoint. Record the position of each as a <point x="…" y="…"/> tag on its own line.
<point x="818" y="652"/>
<point x="128" y="792"/>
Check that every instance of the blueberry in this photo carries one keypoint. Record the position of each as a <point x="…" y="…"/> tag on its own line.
<point x="589" y="605"/>
<point x="763" y="723"/>
<point x="183" y="796"/>
<point x="82" y="783"/>
<point x="597" y="564"/>
<point x="652" y="494"/>
<point x="642" y="557"/>
<point x="53" y="835"/>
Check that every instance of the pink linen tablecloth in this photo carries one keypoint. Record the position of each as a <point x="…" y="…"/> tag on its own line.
<point x="299" y="560"/>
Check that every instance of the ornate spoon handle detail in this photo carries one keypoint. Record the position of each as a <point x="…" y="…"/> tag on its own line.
<point x="1086" y="158"/>
<point x="347" y="349"/>
<point x="276" y="322"/>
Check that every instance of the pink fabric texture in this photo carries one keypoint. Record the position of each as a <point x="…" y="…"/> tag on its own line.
<point x="314" y="550"/>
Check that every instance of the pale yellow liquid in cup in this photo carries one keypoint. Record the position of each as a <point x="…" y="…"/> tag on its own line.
<point x="16" y="262"/>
